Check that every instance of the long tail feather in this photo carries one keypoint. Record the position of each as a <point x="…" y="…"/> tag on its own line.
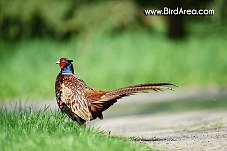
<point x="129" y="90"/>
<point x="141" y="88"/>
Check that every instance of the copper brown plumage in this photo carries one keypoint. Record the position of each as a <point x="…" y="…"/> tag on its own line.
<point x="82" y="103"/>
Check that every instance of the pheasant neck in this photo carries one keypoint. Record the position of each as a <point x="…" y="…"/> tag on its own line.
<point x="68" y="69"/>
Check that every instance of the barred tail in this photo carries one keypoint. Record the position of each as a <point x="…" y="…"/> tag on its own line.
<point x="129" y="90"/>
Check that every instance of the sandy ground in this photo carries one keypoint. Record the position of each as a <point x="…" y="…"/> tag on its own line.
<point x="194" y="130"/>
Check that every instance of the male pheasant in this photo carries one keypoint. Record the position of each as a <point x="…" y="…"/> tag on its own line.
<point x="82" y="103"/>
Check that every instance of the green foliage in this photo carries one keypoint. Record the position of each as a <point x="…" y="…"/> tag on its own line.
<point x="25" y="18"/>
<point x="28" y="68"/>
<point x="92" y="17"/>
<point x="21" y="19"/>
<point x="46" y="130"/>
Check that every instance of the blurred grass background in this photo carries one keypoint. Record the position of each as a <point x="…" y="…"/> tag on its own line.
<point x="113" y="44"/>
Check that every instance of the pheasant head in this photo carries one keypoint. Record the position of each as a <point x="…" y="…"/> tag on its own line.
<point x="66" y="66"/>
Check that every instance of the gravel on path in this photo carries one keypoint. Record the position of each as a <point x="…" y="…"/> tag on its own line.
<point x="194" y="130"/>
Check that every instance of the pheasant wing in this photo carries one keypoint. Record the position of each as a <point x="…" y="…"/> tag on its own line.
<point x="74" y="97"/>
<point x="96" y="109"/>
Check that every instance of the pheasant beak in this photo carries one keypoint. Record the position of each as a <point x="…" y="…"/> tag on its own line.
<point x="58" y="62"/>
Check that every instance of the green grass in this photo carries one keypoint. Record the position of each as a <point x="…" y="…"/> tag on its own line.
<point x="28" y="68"/>
<point x="45" y="130"/>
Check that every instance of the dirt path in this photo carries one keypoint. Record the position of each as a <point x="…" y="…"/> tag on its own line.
<point x="194" y="130"/>
<point x="190" y="130"/>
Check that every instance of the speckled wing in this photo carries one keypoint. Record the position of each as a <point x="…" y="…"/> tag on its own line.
<point x="73" y="96"/>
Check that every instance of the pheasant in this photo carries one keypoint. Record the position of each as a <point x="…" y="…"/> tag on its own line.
<point x="82" y="103"/>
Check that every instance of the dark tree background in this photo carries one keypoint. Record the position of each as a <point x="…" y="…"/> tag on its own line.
<point x="61" y="19"/>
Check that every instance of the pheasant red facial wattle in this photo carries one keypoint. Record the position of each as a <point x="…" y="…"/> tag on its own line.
<point x="82" y="103"/>
<point x="63" y="62"/>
